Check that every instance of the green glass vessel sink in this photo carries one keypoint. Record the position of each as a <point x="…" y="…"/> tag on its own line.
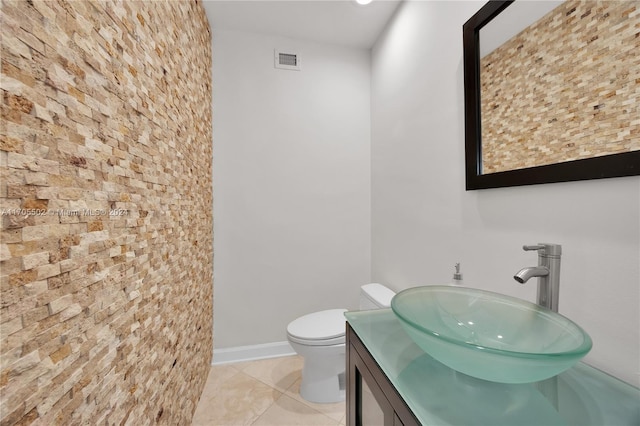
<point x="488" y="335"/>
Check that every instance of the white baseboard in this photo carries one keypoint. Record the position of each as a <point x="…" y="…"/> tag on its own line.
<point x="252" y="352"/>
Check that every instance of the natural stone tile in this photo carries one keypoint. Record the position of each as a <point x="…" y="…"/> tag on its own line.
<point x="11" y="326"/>
<point x="21" y="278"/>
<point x="58" y="305"/>
<point x="41" y="232"/>
<point x="34" y="260"/>
<point x="35" y="315"/>
<point x="5" y="253"/>
<point x="90" y="127"/>
<point x="47" y="271"/>
<point x="70" y="312"/>
<point x="20" y="161"/>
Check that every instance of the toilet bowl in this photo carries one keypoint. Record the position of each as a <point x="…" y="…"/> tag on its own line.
<point x="319" y="338"/>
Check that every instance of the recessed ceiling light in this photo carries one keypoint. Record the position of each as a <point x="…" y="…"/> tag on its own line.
<point x="363" y="2"/>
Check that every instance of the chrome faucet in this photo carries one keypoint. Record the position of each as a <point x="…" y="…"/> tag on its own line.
<point x="547" y="271"/>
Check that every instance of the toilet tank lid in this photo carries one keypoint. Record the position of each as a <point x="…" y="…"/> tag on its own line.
<point x="378" y="294"/>
<point x="319" y="325"/>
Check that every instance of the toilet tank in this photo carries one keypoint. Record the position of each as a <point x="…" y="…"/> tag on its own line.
<point x="375" y="296"/>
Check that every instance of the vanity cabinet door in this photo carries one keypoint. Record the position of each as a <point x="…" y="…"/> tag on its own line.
<point x="372" y="407"/>
<point x="371" y="398"/>
<point x="396" y="420"/>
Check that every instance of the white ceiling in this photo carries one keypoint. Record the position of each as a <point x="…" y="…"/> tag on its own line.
<point x="341" y="22"/>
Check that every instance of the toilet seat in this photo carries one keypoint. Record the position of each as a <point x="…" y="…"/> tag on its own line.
<point x="324" y="328"/>
<point x="328" y="342"/>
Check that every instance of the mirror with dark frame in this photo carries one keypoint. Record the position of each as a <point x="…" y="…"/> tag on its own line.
<point x="554" y="100"/>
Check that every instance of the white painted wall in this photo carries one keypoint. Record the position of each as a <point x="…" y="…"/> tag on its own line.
<point x="423" y="220"/>
<point x="291" y="182"/>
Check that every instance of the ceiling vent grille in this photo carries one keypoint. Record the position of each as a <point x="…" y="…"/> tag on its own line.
<point x="287" y="60"/>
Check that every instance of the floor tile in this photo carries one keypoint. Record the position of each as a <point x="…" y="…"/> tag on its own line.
<point x="286" y="411"/>
<point x="238" y="400"/>
<point x="218" y="374"/>
<point x="264" y="392"/>
<point x="280" y="373"/>
<point x="336" y="410"/>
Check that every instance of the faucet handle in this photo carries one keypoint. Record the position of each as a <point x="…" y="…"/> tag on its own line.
<point x="548" y="249"/>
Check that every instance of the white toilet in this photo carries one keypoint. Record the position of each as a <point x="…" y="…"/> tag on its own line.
<point x="320" y="339"/>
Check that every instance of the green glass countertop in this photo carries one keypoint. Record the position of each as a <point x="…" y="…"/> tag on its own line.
<point x="440" y="396"/>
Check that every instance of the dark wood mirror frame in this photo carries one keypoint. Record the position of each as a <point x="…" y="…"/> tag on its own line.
<point x="608" y="166"/>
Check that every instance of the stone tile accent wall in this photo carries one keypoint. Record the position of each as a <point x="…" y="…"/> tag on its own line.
<point x="566" y="88"/>
<point x="106" y="199"/>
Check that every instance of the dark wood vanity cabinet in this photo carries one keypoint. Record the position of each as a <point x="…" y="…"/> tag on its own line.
<point x="383" y="363"/>
<point x="371" y="398"/>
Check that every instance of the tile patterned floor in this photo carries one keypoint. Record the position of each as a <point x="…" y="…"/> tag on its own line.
<point x="261" y="393"/>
